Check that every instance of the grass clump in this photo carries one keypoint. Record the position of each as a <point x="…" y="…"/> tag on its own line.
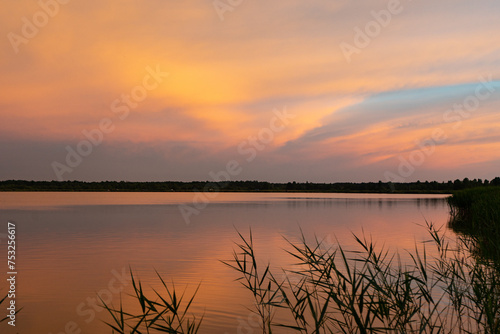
<point x="159" y="313"/>
<point x="476" y="213"/>
<point x="477" y="208"/>
<point x="368" y="290"/>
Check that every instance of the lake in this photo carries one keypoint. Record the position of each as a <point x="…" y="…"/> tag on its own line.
<point x="73" y="246"/>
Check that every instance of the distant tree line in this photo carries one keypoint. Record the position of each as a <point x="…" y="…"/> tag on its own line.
<point x="248" y="186"/>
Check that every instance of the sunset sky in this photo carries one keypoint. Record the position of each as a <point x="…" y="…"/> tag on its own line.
<point x="320" y="91"/>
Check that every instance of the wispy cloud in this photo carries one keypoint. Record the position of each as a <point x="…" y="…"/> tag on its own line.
<point x="227" y="76"/>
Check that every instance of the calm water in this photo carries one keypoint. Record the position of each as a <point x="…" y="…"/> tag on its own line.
<point x="73" y="246"/>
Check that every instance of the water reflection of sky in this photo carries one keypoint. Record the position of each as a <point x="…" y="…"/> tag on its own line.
<point x="69" y="244"/>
